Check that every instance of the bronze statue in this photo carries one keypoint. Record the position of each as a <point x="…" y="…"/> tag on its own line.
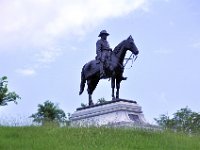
<point x="110" y="67"/>
<point x="103" y="52"/>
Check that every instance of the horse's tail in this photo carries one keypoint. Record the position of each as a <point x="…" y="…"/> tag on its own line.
<point x="83" y="81"/>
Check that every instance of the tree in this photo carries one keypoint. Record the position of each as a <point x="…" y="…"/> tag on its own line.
<point x="184" y="120"/>
<point x="5" y="95"/>
<point x="49" y="113"/>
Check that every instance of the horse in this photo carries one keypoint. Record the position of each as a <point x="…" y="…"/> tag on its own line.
<point x="114" y="70"/>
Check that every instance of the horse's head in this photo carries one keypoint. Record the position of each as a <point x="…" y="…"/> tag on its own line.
<point x="131" y="45"/>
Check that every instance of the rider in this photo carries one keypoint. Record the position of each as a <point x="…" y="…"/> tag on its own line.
<point x="103" y="52"/>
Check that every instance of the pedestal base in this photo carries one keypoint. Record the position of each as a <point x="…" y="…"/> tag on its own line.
<point x="115" y="113"/>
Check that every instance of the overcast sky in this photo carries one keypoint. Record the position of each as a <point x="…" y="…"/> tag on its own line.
<point x="45" y="43"/>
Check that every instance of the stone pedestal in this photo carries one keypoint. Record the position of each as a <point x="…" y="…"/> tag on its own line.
<point x="114" y="113"/>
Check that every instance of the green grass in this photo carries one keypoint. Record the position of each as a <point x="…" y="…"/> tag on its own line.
<point x="55" y="138"/>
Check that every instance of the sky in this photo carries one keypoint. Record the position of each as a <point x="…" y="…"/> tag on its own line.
<point x="45" y="43"/>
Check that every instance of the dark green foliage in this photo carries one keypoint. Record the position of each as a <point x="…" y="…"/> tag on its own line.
<point x="101" y="100"/>
<point x="184" y="120"/>
<point x="5" y="95"/>
<point x="49" y="113"/>
<point x="83" y="105"/>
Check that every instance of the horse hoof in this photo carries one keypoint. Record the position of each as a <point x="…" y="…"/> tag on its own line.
<point x="91" y="103"/>
<point x="113" y="99"/>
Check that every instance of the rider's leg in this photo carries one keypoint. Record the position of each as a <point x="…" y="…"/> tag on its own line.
<point x="102" y="63"/>
<point x="102" y="72"/>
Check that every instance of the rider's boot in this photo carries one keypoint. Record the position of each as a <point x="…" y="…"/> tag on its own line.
<point x="123" y="78"/>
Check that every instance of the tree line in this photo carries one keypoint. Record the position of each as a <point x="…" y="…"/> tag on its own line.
<point x="46" y="113"/>
<point x="184" y="120"/>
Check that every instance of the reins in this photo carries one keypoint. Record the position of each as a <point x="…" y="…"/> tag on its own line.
<point x="131" y="61"/>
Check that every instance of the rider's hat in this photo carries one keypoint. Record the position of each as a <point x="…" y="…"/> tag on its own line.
<point x="103" y="32"/>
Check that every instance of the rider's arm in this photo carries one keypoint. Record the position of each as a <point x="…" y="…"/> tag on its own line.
<point x="98" y="49"/>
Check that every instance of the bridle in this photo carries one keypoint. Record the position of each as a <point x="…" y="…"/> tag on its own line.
<point x="133" y="60"/>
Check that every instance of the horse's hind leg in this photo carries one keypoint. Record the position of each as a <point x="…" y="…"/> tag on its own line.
<point x="89" y="82"/>
<point x="92" y="83"/>
<point x="90" y="99"/>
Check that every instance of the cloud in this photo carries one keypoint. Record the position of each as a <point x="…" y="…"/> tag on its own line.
<point x="48" y="55"/>
<point x="196" y="45"/>
<point x="26" y="71"/>
<point x="40" y="24"/>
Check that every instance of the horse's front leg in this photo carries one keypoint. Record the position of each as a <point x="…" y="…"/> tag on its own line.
<point x="118" y="81"/>
<point x="113" y="88"/>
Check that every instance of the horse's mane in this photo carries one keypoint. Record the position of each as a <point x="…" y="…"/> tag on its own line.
<point x="118" y="47"/>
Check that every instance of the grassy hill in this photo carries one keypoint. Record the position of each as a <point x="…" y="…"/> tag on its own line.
<point x="54" y="138"/>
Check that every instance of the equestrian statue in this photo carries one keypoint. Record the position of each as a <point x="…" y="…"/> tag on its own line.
<point x="108" y="64"/>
